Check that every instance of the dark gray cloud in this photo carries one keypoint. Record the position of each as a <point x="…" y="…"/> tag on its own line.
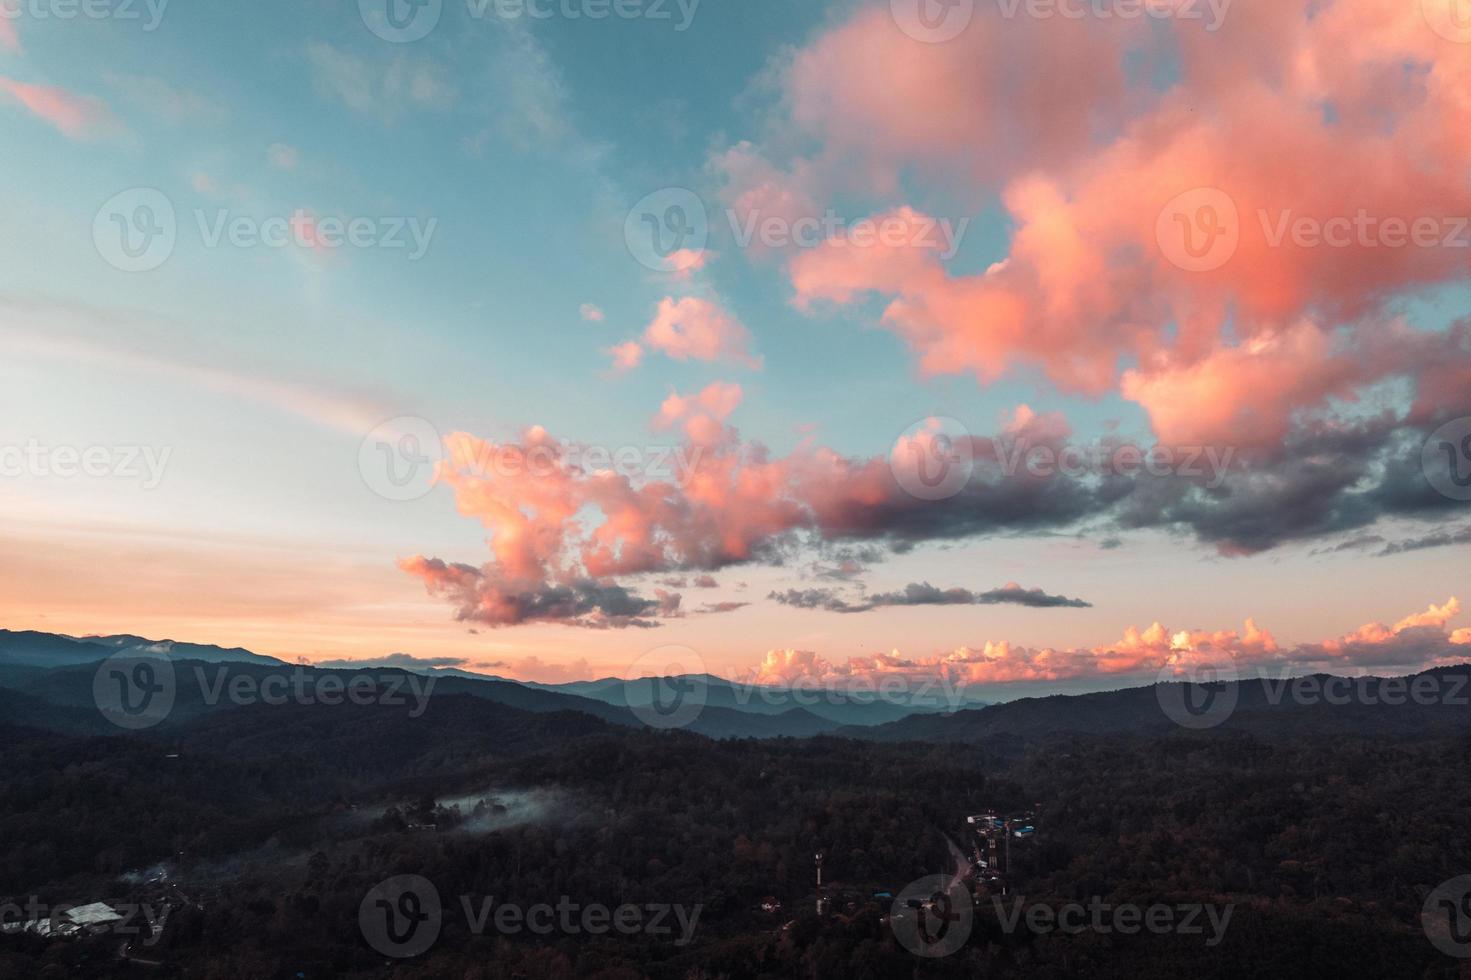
<point x="925" y="594"/>
<point x="1439" y="539"/>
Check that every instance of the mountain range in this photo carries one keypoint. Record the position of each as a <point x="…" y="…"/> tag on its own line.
<point x="46" y="682"/>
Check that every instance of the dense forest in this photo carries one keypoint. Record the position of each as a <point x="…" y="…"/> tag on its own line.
<point x="261" y="830"/>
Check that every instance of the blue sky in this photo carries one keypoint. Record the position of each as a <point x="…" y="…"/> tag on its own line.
<point x="519" y="147"/>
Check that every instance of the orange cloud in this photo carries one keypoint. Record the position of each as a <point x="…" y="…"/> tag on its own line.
<point x="692" y="328"/>
<point x="80" y="117"/>
<point x="626" y="356"/>
<point x="1362" y="98"/>
<point x="702" y="415"/>
<point x="1415" y="642"/>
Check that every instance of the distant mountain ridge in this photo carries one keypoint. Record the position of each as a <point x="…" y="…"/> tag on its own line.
<point x="46" y="681"/>
<point x="29" y="648"/>
<point x="1286" y="706"/>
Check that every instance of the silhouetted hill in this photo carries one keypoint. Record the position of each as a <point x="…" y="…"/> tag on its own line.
<point x="1316" y="704"/>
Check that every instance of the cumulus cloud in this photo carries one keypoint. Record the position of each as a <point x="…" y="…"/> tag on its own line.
<point x="1361" y="97"/>
<point x="694" y="328"/>
<point x="1418" y="641"/>
<point x="552" y="522"/>
<point x="626" y="356"/>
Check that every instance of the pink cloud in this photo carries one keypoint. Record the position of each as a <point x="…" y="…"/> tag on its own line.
<point x="591" y="313"/>
<point x="9" y="37"/>
<point x="1415" y="642"/>
<point x="1360" y="97"/>
<point x="702" y="415"/>
<point x="692" y="328"/>
<point x="79" y="117"/>
<point x="626" y="356"/>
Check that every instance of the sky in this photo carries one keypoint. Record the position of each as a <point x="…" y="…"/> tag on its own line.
<point x="572" y="338"/>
